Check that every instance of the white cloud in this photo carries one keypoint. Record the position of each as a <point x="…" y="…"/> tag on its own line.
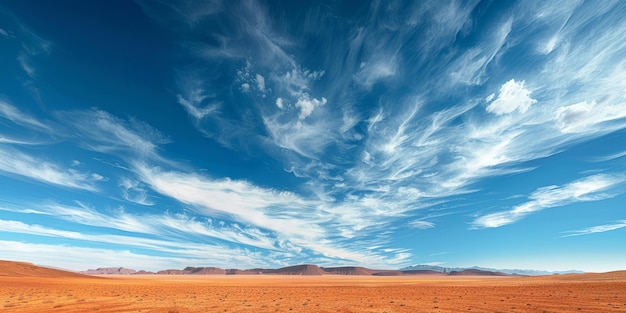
<point x="297" y="81"/>
<point x="132" y="191"/>
<point x="26" y="65"/>
<point x="494" y="220"/>
<point x="103" y="132"/>
<point x="596" y="229"/>
<point x="190" y="13"/>
<point x="32" y="43"/>
<point x="421" y="224"/>
<point x="250" y="80"/>
<point x="164" y="226"/>
<point x="470" y="67"/>
<point x="585" y="116"/>
<point x="191" y="105"/>
<point x="513" y="96"/>
<point x="306" y="139"/>
<point x="260" y="80"/>
<point x="376" y="70"/>
<point x="279" y="103"/>
<point x="193" y="96"/>
<point x="220" y="254"/>
<point x="12" y="141"/>
<point x="306" y="104"/>
<point x="609" y="157"/>
<point x="591" y="188"/>
<point x="5" y="33"/>
<point x="15" y="162"/>
<point x="281" y="212"/>
<point x="16" y="116"/>
<point x="550" y="44"/>
<point x="83" y="214"/>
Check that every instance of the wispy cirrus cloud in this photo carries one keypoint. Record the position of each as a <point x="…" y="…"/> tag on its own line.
<point x="609" y="157"/>
<point x="5" y="33"/>
<point x="273" y="210"/>
<point x="377" y="69"/>
<point x="32" y="43"/>
<point x="12" y="141"/>
<point x="134" y="192"/>
<point x="106" y="133"/>
<point x="596" y="229"/>
<point x="471" y="66"/>
<point x="421" y="224"/>
<point x="30" y="49"/>
<point x="13" y="161"/>
<point x="591" y="188"/>
<point x="16" y="116"/>
<point x="26" y="65"/>
<point x="191" y="105"/>
<point x="173" y="227"/>
<point x="188" y="13"/>
<point x="589" y="117"/>
<point x="250" y="26"/>
<point x="193" y="96"/>
<point x="180" y="247"/>
<point x="180" y="231"/>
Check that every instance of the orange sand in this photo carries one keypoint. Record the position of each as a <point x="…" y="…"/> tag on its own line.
<point x="268" y="293"/>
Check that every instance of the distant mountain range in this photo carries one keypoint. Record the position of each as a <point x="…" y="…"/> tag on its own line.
<point x="524" y="272"/>
<point x="310" y="269"/>
<point x="110" y="271"/>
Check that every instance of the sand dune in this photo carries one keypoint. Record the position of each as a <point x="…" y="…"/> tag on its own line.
<point x="608" y="276"/>
<point x="23" y="269"/>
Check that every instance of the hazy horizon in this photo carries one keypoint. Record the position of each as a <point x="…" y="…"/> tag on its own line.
<point x="155" y="134"/>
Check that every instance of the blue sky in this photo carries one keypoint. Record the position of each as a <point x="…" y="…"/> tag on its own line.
<point x="164" y="134"/>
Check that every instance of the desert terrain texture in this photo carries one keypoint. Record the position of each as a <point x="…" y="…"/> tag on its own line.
<point x="25" y="287"/>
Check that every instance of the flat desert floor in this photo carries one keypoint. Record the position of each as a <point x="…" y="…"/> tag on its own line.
<point x="559" y="293"/>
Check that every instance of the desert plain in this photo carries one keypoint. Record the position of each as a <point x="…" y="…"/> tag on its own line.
<point x="28" y="288"/>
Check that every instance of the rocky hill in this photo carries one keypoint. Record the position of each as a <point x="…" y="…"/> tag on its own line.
<point x="110" y="271"/>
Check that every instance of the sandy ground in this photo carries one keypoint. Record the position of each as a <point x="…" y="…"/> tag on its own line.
<point x="563" y="293"/>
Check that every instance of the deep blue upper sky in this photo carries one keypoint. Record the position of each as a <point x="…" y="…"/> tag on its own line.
<point x="163" y="134"/>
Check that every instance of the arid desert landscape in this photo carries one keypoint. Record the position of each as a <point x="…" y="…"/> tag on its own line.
<point x="30" y="288"/>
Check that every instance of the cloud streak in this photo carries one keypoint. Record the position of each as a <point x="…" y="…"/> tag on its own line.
<point x="103" y="132"/>
<point x="16" y="116"/>
<point x="596" y="229"/>
<point x="13" y="161"/>
<point x="591" y="188"/>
